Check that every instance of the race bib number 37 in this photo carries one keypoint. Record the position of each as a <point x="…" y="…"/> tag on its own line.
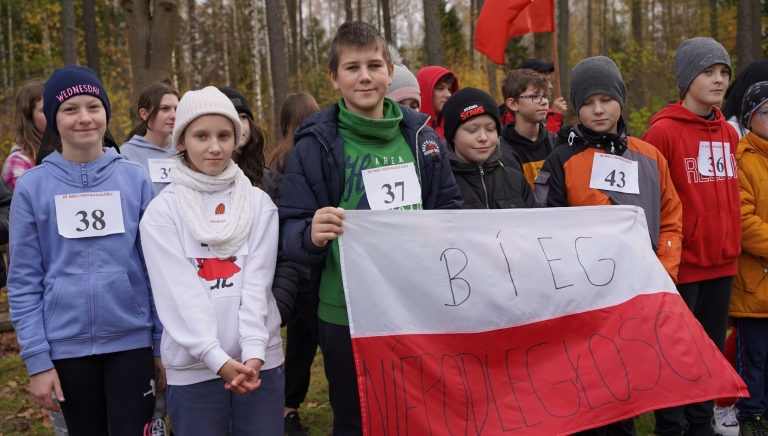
<point x="89" y="214"/>
<point x="392" y="186"/>
<point x="614" y="173"/>
<point x="160" y="169"/>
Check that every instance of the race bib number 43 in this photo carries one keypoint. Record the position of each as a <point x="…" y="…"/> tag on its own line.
<point x="714" y="159"/>
<point x="160" y="169"/>
<point x="392" y="186"/>
<point x="89" y="214"/>
<point x="614" y="173"/>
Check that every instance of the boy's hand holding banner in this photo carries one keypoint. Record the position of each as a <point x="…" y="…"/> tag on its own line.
<point x="541" y="321"/>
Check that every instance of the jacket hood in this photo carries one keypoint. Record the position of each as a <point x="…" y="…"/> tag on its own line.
<point x="490" y="164"/>
<point x="142" y="142"/>
<point x="324" y="124"/>
<point x="85" y="175"/>
<point x="676" y="112"/>
<point x="428" y="78"/>
<point x="753" y="144"/>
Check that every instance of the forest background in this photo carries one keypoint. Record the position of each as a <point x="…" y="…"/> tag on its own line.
<point x="269" y="48"/>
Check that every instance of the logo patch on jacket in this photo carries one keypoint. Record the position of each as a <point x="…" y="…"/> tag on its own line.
<point x="429" y="147"/>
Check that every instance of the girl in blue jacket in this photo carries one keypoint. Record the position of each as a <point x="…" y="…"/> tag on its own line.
<point x="80" y="299"/>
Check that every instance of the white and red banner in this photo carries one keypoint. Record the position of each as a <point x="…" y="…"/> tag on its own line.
<point x="538" y="321"/>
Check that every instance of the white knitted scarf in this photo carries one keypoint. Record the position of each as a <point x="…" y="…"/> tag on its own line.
<point x="234" y="232"/>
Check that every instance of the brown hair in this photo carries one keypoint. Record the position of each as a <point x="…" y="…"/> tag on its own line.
<point x="517" y="81"/>
<point x="250" y="157"/>
<point x="358" y="35"/>
<point x="296" y="109"/>
<point x="28" y="138"/>
<point x="149" y="100"/>
<point x="447" y="80"/>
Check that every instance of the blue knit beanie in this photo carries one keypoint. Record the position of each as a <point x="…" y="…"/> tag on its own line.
<point x="68" y="82"/>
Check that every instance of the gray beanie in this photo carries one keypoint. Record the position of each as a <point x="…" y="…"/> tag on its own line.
<point x="696" y="54"/>
<point x="596" y="75"/>
<point x="404" y="84"/>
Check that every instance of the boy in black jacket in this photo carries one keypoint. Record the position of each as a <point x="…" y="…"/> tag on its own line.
<point x="472" y="125"/>
<point x="525" y="142"/>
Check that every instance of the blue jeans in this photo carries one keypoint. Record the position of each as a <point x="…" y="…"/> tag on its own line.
<point x="207" y="409"/>
<point x="752" y="358"/>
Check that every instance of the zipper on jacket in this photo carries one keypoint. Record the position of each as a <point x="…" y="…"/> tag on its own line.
<point x="416" y="151"/>
<point x="482" y="174"/>
<point x="83" y="174"/>
<point x="89" y="274"/>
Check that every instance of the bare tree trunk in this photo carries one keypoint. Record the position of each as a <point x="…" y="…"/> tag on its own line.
<point x="589" y="28"/>
<point x="11" y="58"/>
<point x="757" y="29"/>
<point x="224" y="35"/>
<point x="432" y="33"/>
<point x="252" y="13"/>
<point x="359" y="10"/>
<point x="151" y="38"/>
<point x="745" y="52"/>
<point x="542" y="46"/>
<point x="6" y="61"/>
<point x="348" y="10"/>
<point x="194" y="41"/>
<point x="713" y="18"/>
<point x="604" y="29"/>
<point x="294" y="52"/>
<point x="46" y="42"/>
<point x="91" y="36"/>
<point x="562" y="45"/>
<point x="277" y="56"/>
<point x="636" y="78"/>
<point x="314" y="37"/>
<point x="68" y="51"/>
<point x="387" y="18"/>
<point x="24" y="43"/>
<point x="301" y="45"/>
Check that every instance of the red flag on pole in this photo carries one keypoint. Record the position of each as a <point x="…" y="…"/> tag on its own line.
<point x="501" y="20"/>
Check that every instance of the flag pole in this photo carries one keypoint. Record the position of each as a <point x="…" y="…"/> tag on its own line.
<point x="556" y="61"/>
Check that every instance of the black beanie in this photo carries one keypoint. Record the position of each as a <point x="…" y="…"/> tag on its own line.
<point x="465" y="104"/>
<point x="239" y="100"/>
<point x="68" y="82"/>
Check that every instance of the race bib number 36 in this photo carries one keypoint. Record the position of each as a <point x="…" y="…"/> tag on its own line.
<point x="614" y="173"/>
<point x="715" y="159"/>
<point x="392" y="186"/>
<point x="160" y="169"/>
<point x="89" y="214"/>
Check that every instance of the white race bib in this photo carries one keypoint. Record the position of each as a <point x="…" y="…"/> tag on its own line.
<point x="89" y="214"/>
<point x="715" y="160"/>
<point x="614" y="173"/>
<point x="160" y="169"/>
<point x="392" y="186"/>
<point x="217" y="216"/>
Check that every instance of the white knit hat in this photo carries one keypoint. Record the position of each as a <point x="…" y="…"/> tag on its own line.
<point x="207" y="101"/>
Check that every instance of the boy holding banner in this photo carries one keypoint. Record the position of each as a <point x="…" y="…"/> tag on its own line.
<point x="363" y="141"/>
<point x="602" y="165"/>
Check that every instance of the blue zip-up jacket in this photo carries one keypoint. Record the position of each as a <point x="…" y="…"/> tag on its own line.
<point x="314" y="178"/>
<point x="79" y="297"/>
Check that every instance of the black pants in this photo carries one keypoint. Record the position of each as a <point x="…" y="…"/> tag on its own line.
<point x="709" y="301"/>
<point x="300" y="351"/>
<point x="108" y="394"/>
<point x="336" y="344"/>
<point x="625" y="427"/>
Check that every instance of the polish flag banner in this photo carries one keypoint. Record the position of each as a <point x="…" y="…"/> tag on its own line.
<point x="536" y="321"/>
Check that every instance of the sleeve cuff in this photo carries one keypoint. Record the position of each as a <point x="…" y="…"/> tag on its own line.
<point x="310" y="246"/>
<point x="254" y="349"/>
<point x="156" y="347"/>
<point x="215" y="359"/>
<point x="38" y="363"/>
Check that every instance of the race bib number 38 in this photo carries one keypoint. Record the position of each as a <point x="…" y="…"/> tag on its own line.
<point x="160" y="169"/>
<point x="89" y="214"/>
<point x="392" y="186"/>
<point x="614" y="173"/>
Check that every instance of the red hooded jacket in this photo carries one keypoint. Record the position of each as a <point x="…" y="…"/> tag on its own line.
<point x="710" y="194"/>
<point x="428" y="78"/>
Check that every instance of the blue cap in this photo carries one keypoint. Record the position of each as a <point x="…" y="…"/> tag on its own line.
<point x="68" y="82"/>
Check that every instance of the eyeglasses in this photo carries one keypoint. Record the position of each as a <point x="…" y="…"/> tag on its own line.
<point x="763" y="114"/>
<point x="538" y="98"/>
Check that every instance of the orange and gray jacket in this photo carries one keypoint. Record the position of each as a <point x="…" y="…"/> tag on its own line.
<point x="565" y="178"/>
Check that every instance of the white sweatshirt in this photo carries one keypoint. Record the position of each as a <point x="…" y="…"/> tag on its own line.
<point x="212" y="309"/>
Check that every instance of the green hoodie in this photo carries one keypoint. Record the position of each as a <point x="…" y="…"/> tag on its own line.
<point x="367" y="144"/>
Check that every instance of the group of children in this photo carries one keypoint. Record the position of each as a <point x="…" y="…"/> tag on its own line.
<point x="171" y="265"/>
